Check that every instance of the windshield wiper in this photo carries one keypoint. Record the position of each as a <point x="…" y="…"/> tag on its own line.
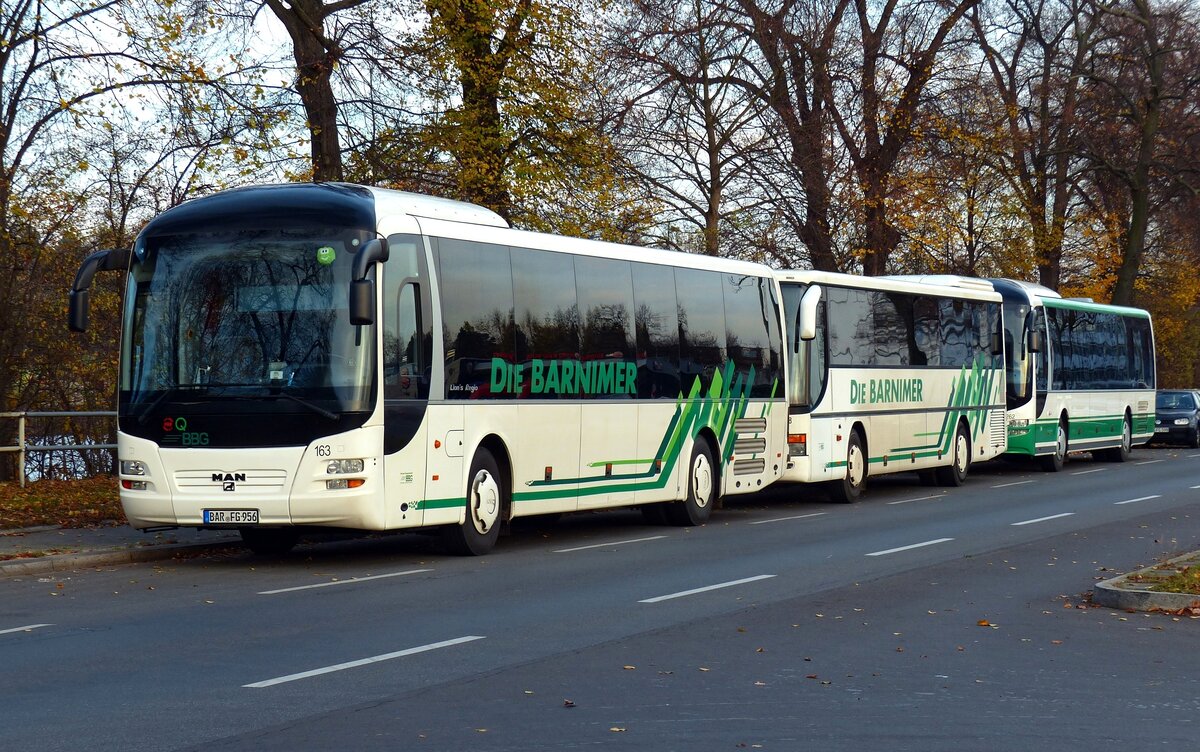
<point x="310" y="405"/>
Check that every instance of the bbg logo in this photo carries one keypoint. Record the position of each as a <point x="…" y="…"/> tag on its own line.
<point x="186" y="437"/>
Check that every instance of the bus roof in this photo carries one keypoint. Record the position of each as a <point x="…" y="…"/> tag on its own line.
<point x="388" y="201"/>
<point x="1035" y="295"/>
<point x="944" y="286"/>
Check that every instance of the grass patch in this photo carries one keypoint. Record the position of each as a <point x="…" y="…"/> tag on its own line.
<point x="1168" y="578"/>
<point x="69" y="503"/>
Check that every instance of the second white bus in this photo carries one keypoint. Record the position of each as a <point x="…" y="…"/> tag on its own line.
<point x="890" y="375"/>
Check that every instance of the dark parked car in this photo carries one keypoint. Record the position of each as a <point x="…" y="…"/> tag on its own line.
<point x="1177" y="417"/>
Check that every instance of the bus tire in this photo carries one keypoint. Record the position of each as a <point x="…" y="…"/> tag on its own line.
<point x="270" y="541"/>
<point x="701" y="489"/>
<point x="850" y="487"/>
<point x="955" y="474"/>
<point x="486" y="502"/>
<point x="1121" y="452"/>
<point x="1054" y="462"/>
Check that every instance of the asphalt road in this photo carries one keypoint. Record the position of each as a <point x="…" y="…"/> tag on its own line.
<point x="788" y="622"/>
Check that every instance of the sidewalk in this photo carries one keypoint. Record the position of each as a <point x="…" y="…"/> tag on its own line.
<point x="51" y="549"/>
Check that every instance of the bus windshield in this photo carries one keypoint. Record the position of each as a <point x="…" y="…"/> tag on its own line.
<point x="1018" y="364"/>
<point x="255" y="316"/>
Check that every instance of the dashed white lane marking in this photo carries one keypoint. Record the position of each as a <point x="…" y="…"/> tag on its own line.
<point x="1195" y="487"/>
<point x="1093" y="470"/>
<point x="363" y="662"/>
<point x="343" y="582"/>
<point x="919" y="498"/>
<point x="606" y="545"/>
<point x="909" y="547"/>
<point x="785" y="519"/>
<point x="707" y="588"/>
<point x="1042" y="519"/>
<point x="1140" y="498"/>
<point x="26" y="628"/>
<point x="1193" y="456"/>
<point x="1017" y="483"/>
<point x="1148" y="462"/>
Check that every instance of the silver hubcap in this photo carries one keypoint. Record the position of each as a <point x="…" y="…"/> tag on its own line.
<point x="1060" y="448"/>
<point x="702" y="480"/>
<point x="485" y="501"/>
<point x="960" y="454"/>
<point x="855" y="467"/>
<point x="1126" y="437"/>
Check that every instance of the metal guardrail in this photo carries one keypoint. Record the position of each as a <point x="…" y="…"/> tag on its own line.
<point x="22" y="448"/>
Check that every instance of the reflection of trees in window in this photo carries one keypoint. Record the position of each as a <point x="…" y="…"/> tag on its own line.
<point x="606" y="331"/>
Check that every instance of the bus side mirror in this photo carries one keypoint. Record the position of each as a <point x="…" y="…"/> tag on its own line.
<point x="1035" y="341"/>
<point x="806" y="316"/>
<point x="362" y="302"/>
<point x="78" y="298"/>
<point x="77" y="310"/>
<point x="362" y="290"/>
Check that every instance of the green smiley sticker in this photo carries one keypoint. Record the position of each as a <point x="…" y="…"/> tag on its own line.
<point x="325" y="255"/>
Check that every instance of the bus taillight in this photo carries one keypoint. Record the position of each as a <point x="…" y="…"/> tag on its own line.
<point x="797" y="445"/>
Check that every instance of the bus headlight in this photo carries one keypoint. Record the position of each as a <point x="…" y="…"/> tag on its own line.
<point x="343" y="467"/>
<point x="133" y="467"/>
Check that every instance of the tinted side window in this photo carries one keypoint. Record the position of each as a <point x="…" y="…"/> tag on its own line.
<point x="656" y="329"/>
<point x="851" y="340"/>
<point x="892" y="315"/>
<point x="959" y="341"/>
<point x="749" y="313"/>
<point x="606" y="334"/>
<point x="1142" y="345"/>
<point x="407" y="336"/>
<point x="925" y="347"/>
<point x="701" y="319"/>
<point x="477" y="315"/>
<point x="547" y="317"/>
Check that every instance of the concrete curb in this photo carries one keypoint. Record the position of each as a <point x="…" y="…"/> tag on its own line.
<point x="1118" y="593"/>
<point x="88" y="559"/>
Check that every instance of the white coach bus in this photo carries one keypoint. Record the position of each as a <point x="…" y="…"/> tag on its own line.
<point x="1080" y="375"/>
<point x="325" y="355"/>
<point x="890" y="375"/>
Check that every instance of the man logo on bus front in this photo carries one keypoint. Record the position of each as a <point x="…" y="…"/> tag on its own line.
<point x="228" y="486"/>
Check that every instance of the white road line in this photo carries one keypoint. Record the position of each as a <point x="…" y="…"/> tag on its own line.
<point x="785" y="519"/>
<point x="919" y="498"/>
<point x="1140" y="498"/>
<point x="1042" y="519"/>
<point x="1017" y="483"/>
<point x="343" y="582"/>
<point x="706" y="589"/>
<point x="1193" y="456"/>
<point x="1195" y="487"/>
<point x="363" y="662"/>
<point x="26" y="628"/>
<point x="909" y="548"/>
<point x="606" y="545"/>
<point x="1093" y="470"/>
<point x="1148" y="462"/>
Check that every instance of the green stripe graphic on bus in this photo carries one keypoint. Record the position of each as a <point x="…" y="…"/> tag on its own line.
<point x="970" y="397"/>
<point x="727" y="400"/>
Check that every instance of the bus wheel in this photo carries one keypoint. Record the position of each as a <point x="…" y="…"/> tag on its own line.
<point x="1052" y="463"/>
<point x="701" y="490"/>
<point x="1121" y="453"/>
<point x="848" y="489"/>
<point x="270" y="541"/>
<point x="955" y="473"/>
<point x="485" y="504"/>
